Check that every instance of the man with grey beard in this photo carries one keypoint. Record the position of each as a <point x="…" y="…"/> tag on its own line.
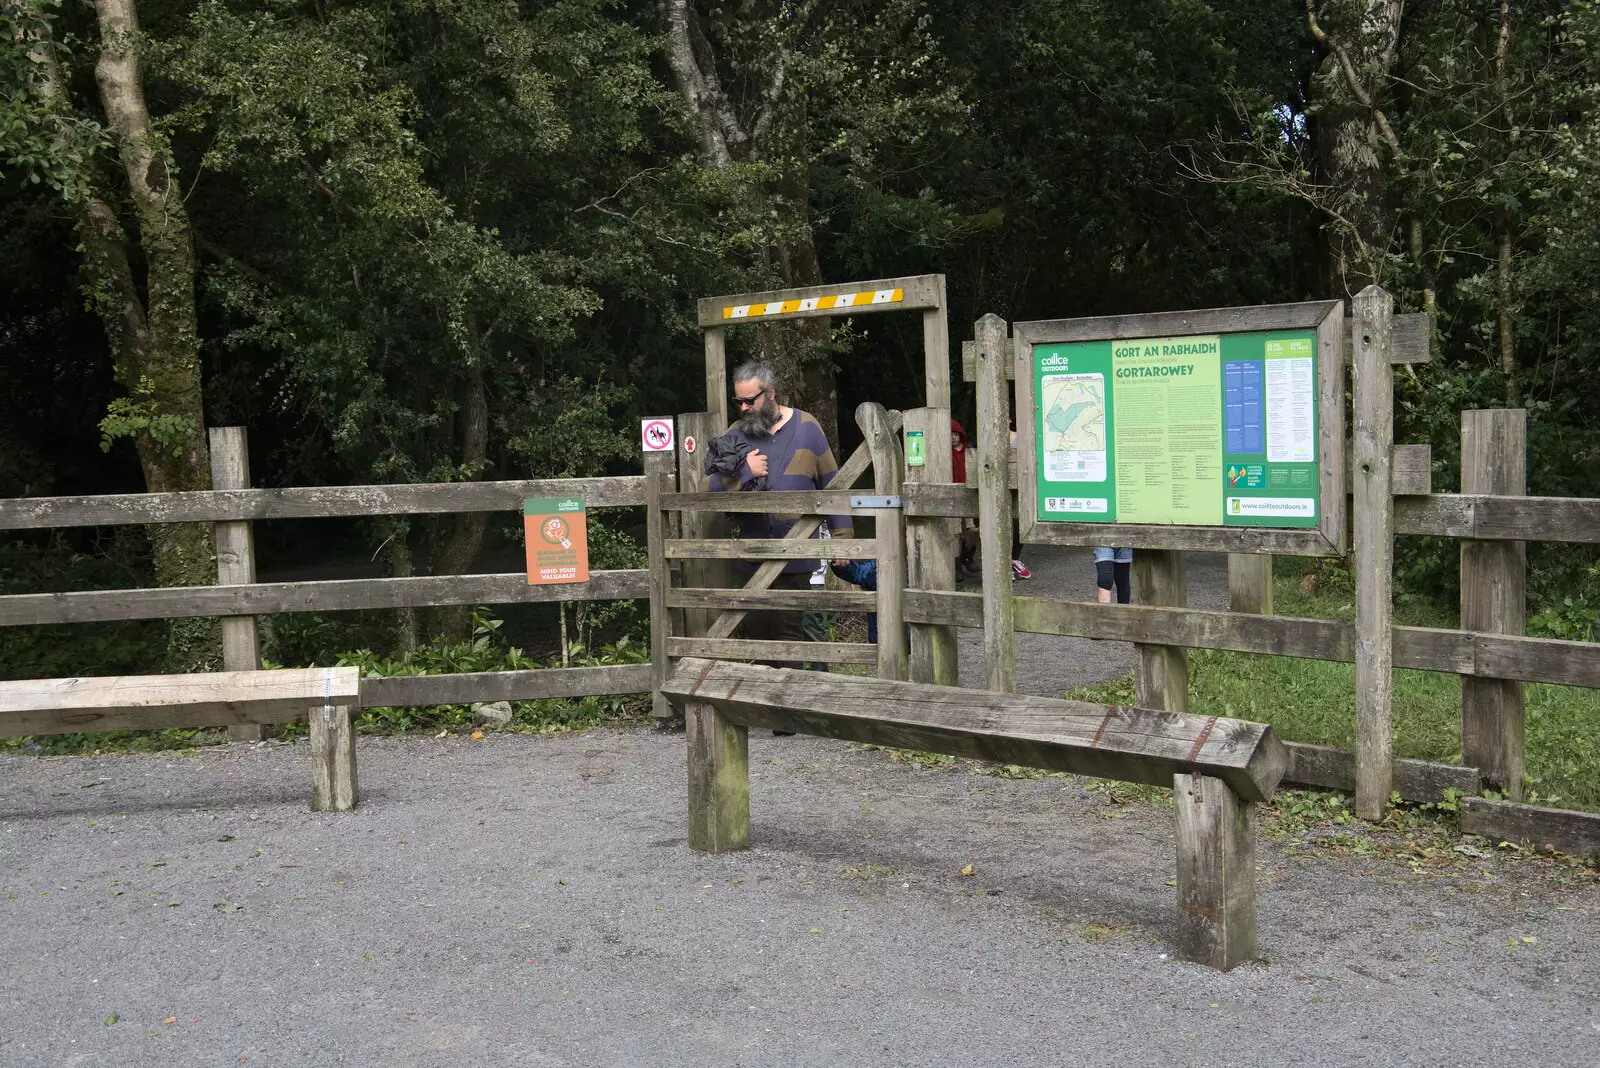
<point x="788" y="447"/>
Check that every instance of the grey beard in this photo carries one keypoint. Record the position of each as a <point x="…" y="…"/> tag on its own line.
<point x="757" y="422"/>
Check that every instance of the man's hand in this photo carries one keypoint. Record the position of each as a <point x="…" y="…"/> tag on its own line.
<point x="757" y="462"/>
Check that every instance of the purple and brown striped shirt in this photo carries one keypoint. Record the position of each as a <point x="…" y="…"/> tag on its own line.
<point x="811" y="467"/>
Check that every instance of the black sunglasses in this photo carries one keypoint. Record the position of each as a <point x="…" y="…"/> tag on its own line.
<point x="749" y="402"/>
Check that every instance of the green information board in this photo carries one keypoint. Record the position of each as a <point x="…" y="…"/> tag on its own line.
<point x="1210" y="430"/>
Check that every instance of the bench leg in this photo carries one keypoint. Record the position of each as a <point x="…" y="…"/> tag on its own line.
<point x="1216" y="873"/>
<point x="333" y="759"/>
<point x="719" y="780"/>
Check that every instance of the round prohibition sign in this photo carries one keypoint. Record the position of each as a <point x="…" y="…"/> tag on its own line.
<point x="658" y="435"/>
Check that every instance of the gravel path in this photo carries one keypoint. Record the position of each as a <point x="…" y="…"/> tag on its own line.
<point x="530" y="900"/>
<point x="1049" y="664"/>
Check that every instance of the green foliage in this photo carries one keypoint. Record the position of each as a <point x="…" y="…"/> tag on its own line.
<point x="485" y="650"/>
<point x="127" y="416"/>
<point x="57" y="565"/>
<point x="39" y="135"/>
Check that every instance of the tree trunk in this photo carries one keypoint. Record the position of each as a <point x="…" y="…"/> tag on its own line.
<point x="1355" y="135"/>
<point x="462" y="535"/>
<point x="156" y="347"/>
<point x="807" y="377"/>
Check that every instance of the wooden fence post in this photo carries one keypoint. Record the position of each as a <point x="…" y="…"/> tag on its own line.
<point x="887" y="464"/>
<point x="994" y="505"/>
<point x="236" y="561"/>
<point x="719" y="780"/>
<point x="1372" y="325"/>
<point x="1250" y="583"/>
<point x="659" y="470"/>
<point x="1161" y="676"/>
<point x="1494" y="597"/>
<point x="1216" y="872"/>
<point x="936" y="353"/>
<point x="716" y="340"/>
<point x="931" y="549"/>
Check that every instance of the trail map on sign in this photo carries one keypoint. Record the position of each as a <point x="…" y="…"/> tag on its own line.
<point x="1074" y="421"/>
<point x="1200" y="430"/>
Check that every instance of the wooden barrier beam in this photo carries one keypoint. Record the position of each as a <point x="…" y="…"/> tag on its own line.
<point x="325" y="697"/>
<point x="1487" y="517"/>
<point x="1331" y="768"/>
<point x="1553" y="828"/>
<point x="1494" y="656"/>
<point x="782" y="502"/>
<point x="768" y="549"/>
<point x="796" y="600"/>
<point x="340" y="595"/>
<point x="760" y="649"/>
<point x="476" y="687"/>
<point x="151" y="702"/>
<point x="1130" y="744"/>
<point x="309" y="502"/>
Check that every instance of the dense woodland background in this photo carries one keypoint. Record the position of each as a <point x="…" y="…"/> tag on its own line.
<point x="425" y="241"/>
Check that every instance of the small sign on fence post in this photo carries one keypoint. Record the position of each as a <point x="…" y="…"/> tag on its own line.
<point x="557" y="534"/>
<point x="655" y="434"/>
<point x="916" y="456"/>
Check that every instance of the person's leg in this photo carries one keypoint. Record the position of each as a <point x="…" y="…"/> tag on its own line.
<point x="1104" y="573"/>
<point x="814" y="626"/>
<point x="1018" y="568"/>
<point x="1122" y="564"/>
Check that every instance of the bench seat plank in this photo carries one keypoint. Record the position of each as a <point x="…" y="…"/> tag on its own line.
<point x="1130" y="744"/>
<point x="150" y="702"/>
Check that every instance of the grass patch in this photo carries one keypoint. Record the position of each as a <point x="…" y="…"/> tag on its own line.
<point x="1313" y="701"/>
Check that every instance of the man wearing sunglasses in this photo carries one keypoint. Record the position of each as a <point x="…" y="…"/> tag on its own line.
<point x="788" y="447"/>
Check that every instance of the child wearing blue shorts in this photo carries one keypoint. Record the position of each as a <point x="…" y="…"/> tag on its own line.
<point x="1113" y="569"/>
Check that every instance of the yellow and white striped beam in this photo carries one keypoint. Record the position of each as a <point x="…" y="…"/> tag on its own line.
<point x="812" y="304"/>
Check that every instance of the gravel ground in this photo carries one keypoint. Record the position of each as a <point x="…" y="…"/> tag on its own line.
<point x="530" y="900"/>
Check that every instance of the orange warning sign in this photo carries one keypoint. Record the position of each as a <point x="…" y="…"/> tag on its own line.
<point x="558" y="540"/>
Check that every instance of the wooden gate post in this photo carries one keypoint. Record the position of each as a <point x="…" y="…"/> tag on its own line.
<point x="994" y="505"/>
<point x="1372" y="328"/>
<point x="931" y="549"/>
<point x="699" y="428"/>
<point x="1494" y="597"/>
<point x="1161" y="676"/>
<point x="659" y="468"/>
<point x="1216" y="873"/>
<point x="887" y="464"/>
<point x="719" y="780"/>
<point x="236" y="561"/>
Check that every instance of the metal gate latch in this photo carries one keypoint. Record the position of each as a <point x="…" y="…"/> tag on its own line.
<point x="874" y="502"/>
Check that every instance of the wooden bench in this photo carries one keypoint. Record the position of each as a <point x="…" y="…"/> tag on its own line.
<point x="325" y="697"/>
<point x="1218" y="768"/>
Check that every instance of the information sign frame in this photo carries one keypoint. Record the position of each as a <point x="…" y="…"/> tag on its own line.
<point x="1325" y="321"/>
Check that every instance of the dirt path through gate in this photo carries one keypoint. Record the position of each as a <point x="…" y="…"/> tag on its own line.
<point x="530" y="900"/>
<point x="1049" y="664"/>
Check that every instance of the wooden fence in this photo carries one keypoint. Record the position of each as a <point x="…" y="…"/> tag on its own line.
<point x="695" y="608"/>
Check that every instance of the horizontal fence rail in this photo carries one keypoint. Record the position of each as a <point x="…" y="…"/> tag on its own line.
<point x="269" y="598"/>
<point x="769" y="549"/>
<point x="753" y="649"/>
<point x="310" y="502"/>
<point x="1456" y="652"/>
<point x="1483" y="517"/>
<point x="481" y="686"/>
